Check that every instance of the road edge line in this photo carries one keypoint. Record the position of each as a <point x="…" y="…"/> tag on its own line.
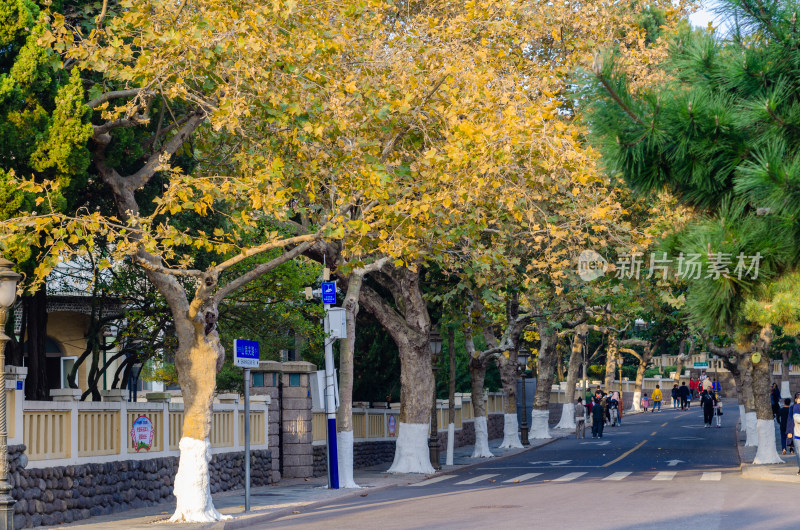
<point x="247" y="522"/>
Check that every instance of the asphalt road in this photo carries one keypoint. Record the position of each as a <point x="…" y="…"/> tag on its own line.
<point x="662" y="470"/>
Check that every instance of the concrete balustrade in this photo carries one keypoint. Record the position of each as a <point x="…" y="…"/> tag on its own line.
<point x="67" y="431"/>
<point x="373" y="423"/>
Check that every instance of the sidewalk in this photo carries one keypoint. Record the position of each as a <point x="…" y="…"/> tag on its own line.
<point x="786" y="472"/>
<point x="291" y="495"/>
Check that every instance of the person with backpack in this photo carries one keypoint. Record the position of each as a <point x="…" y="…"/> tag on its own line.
<point x="684" y="393"/>
<point x="676" y="396"/>
<point x="707" y="402"/>
<point x="657" y="397"/>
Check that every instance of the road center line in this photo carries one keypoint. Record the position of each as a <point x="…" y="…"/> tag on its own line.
<point x="653" y="433"/>
<point x="626" y="453"/>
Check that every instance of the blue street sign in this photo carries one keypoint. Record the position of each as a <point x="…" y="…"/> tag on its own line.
<point x="245" y="353"/>
<point x="328" y="293"/>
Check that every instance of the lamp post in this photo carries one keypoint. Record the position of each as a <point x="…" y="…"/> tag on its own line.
<point x="522" y="366"/>
<point x="435" y="343"/>
<point x="133" y="381"/>
<point x="8" y="294"/>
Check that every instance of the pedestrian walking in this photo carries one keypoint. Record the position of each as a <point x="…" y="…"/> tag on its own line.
<point x="783" y="419"/>
<point x="718" y="411"/>
<point x="598" y="415"/>
<point x="683" y="393"/>
<point x="692" y="387"/>
<point x="793" y="427"/>
<point x="715" y="386"/>
<point x="657" y="397"/>
<point x="580" y="419"/>
<point x="707" y="385"/>
<point x="775" y="400"/>
<point x="707" y="402"/>
<point x="645" y="402"/>
<point x="676" y="396"/>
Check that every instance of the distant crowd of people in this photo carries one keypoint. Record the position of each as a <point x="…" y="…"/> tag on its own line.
<point x="601" y="408"/>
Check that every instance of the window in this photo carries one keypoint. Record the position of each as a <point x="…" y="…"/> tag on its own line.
<point x="294" y="379"/>
<point x="258" y="378"/>
<point x="66" y="365"/>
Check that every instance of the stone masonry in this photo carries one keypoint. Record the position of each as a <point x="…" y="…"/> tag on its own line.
<point x="57" y="495"/>
<point x="371" y="453"/>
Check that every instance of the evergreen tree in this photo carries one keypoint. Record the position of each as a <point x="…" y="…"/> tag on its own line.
<point x="722" y="135"/>
<point x="44" y="129"/>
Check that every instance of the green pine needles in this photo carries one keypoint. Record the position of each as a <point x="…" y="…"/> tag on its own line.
<point x="723" y="136"/>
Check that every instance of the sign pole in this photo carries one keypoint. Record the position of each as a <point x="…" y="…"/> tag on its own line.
<point x="330" y="408"/>
<point x="247" y="439"/>
<point x="328" y="298"/>
<point x="245" y="355"/>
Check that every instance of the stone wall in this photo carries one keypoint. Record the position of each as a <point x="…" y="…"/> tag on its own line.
<point x="56" y="495"/>
<point x="366" y="454"/>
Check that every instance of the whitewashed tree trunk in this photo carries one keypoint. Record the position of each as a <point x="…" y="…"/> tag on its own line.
<point x="567" y="420"/>
<point x="511" y="432"/>
<point x="477" y="373"/>
<point x="451" y="442"/>
<point x="410" y="331"/>
<point x="507" y="366"/>
<point x="540" y="413"/>
<point x="765" y="423"/>
<point x="451" y="427"/>
<point x="344" y="443"/>
<point x="344" y="423"/>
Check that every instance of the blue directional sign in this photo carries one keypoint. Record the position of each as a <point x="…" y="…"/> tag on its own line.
<point x="328" y="293"/>
<point x="245" y="353"/>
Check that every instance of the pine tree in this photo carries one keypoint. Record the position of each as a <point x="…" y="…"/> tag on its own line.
<point x="723" y="136"/>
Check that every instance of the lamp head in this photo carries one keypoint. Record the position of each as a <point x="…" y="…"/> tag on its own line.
<point x="435" y="341"/>
<point x="8" y="283"/>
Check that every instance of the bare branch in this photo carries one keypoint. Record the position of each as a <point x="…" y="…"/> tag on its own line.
<point x="115" y="94"/>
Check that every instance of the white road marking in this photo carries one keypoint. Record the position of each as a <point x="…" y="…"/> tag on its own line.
<point x="523" y="478"/>
<point x="619" y="475"/>
<point x="711" y="475"/>
<point x="665" y="475"/>
<point x="570" y="476"/>
<point x="433" y="480"/>
<point x="473" y="480"/>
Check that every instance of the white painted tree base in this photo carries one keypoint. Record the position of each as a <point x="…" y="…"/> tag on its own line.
<point x="451" y="444"/>
<point x="637" y="402"/>
<point x="742" y="422"/>
<point x="344" y="442"/>
<point x="767" y="452"/>
<point x="567" y="417"/>
<point x="481" y="449"/>
<point x="193" y="486"/>
<point x="750" y="420"/>
<point x="510" y="432"/>
<point x="411" y="451"/>
<point x="539" y="425"/>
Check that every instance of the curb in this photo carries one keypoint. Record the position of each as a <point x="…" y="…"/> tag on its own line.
<point x="247" y="522"/>
<point x="758" y="472"/>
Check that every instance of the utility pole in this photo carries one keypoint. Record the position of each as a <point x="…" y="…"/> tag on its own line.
<point x="328" y="298"/>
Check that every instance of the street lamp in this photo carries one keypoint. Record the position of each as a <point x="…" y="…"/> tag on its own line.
<point x="435" y="344"/>
<point x="8" y="294"/>
<point x="522" y="366"/>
